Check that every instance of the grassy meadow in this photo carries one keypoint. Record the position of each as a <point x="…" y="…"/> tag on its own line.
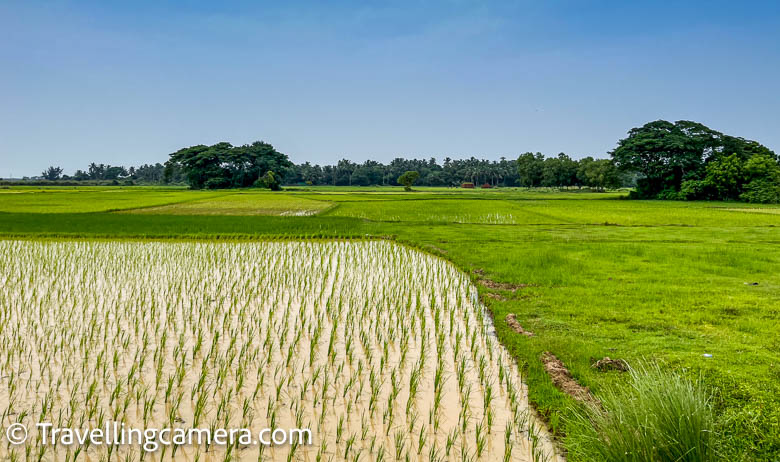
<point x="691" y="286"/>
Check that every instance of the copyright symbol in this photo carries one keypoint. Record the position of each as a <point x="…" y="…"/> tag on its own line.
<point x="16" y="433"/>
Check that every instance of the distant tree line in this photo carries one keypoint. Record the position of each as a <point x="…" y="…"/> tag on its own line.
<point x="529" y="170"/>
<point x="151" y="174"/>
<point x="225" y="166"/>
<point x="683" y="160"/>
<point x="369" y="173"/>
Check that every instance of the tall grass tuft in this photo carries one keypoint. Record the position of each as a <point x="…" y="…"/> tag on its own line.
<point x="658" y="416"/>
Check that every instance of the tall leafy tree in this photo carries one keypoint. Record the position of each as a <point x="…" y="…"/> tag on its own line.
<point x="408" y="178"/>
<point x="559" y="171"/>
<point x="52" y="173"/>
<point x="223" y="165"/>
<point x="598" y="173"/>
<point x="530" y="167"/>
<point x="664" y="153"/>
<point x="725" y="177"/>
<point x="668" y="156"/>
<point x="762" y="176"/>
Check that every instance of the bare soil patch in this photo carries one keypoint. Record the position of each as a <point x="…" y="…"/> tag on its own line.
<point x="437" y="249"/>
<point x="501" y="285"/>
<point x="608" y="364"/>
<point x="511" y="320"/>
<point x="493" y="296"/>
<point x="563" y="380"/>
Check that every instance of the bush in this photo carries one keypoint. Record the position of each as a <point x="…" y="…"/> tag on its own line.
<point x="725" y="176"/>
<point x="408" y="178"/>
<point x="670" y="195"/>
<point x="647" y="188"/>
<point x="692" y="190"/>
<point x="761" y="191"/>
<point x="658" y="416"/>
<point x="217" y="183"/>
<point x="270" y="180"/>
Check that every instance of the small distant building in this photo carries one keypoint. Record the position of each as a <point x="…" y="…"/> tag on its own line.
<point x="486" y="186"/>
<point x="467" y="185"/>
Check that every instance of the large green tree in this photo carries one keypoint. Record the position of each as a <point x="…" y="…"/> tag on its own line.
<point x="667" y="155"/>
<point x="664" y="153"/>
<point x="762" y="180"/>
<point x="559" y="171"/>
<point x="600" y="174"/>
<point x="408" y="178"/>
<point x="52" y="173"/>
<point x="725" y="177"/>
<point x="223" y="165"/>
<point x="530" y="168"/>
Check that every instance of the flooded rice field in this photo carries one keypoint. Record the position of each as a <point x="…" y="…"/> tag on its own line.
<point x="383" y="352"/>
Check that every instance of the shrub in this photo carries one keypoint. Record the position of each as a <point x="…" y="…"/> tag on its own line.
<point x="669" y="194"/>
<point x="658" y="416"/>
<point x="217" y="183"/>
<point x="726" y="176"/>
<point x="270" y="180"/>
<point x="692" y="190"/>
<point x="761" y="191"/>
<point x="764" y="184"/>
<point x="408" y="178"/>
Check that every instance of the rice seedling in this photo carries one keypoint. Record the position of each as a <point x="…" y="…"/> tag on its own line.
<point x="383" y="351"/>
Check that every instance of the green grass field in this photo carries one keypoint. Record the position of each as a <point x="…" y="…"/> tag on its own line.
<point x="93" y="198"/>
<point x="242" y="203"/>
<point x="591" y="274"/>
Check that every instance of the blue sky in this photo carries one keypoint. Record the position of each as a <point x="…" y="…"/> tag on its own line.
<point x="130" y="83"/>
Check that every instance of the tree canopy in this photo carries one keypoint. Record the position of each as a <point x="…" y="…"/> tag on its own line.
<point x="223" y="165"/>
<point x="52" y="173"/>
<point x="530" y="169"/>
<point x="681" y="160"/>
<point x="688" y="160"/>
<point x="408" y="178"/>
